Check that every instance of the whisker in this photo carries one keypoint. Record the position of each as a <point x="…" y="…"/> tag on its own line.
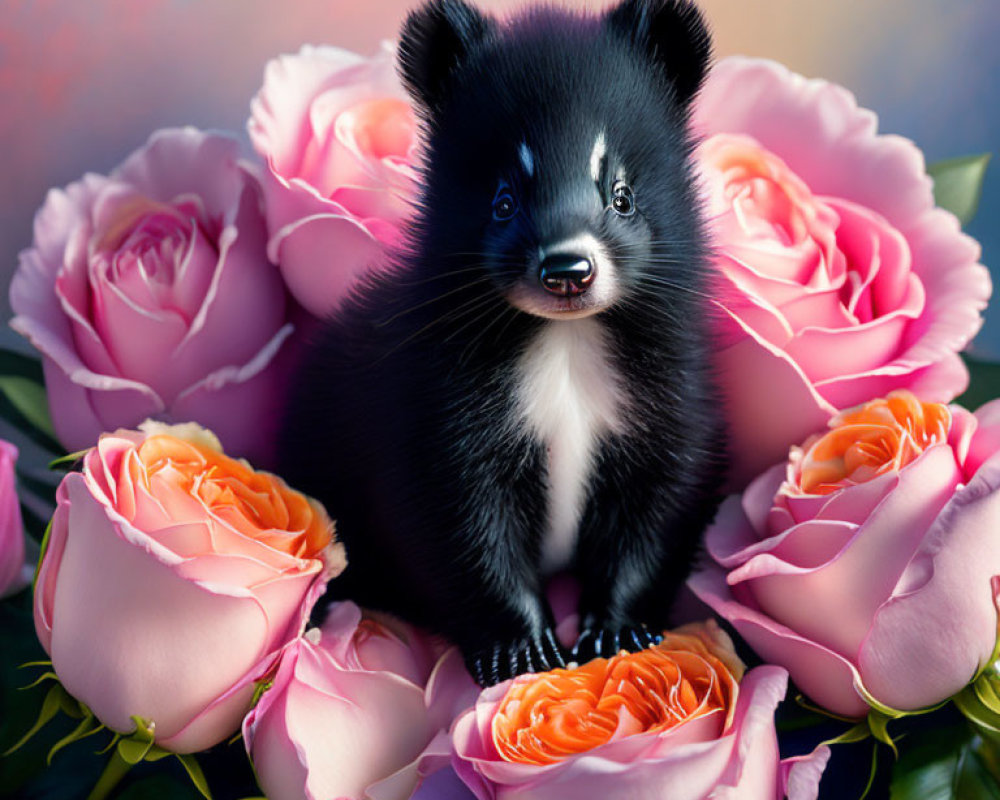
<point x="439" y="276"/>
<point x="482" y="334"/>
<point x="410" y="310"/>
<point x="456" y="332"/>
<point x="452" y="315"/>
<point x="658" y="281"/>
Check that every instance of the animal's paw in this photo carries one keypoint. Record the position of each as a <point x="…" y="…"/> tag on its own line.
<point x="604" y="640"/>
<point x="508" y="658"/>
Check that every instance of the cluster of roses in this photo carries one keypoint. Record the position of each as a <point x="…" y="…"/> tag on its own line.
<point x="180" y="287"/>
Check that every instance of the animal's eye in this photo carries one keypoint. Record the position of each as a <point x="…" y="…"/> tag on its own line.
<point x="623" y="203"/>
<point x="504" y="205"/>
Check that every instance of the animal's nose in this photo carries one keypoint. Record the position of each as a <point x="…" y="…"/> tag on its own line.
<point x="566" y="274"/>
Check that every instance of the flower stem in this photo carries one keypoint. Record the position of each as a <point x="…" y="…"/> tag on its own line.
<point x="115" y="770"/>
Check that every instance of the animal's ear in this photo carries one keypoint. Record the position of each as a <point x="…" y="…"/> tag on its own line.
<point x="673" y="33"/>
<point x="435" y="40"/>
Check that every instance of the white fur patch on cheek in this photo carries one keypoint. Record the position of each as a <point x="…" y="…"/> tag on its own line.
<point x="597" y="157"/>
<point x="527" y="159"/>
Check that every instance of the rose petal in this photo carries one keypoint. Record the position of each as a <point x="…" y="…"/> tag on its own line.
<point x="833" y="603"/>
<point x="760" y="437"/>
<point x="230" y="399"/>
<point x="798" y="118"/>
<point x="83" y="404"/>
<point x="984" y="439"/>
<point x="204" y="660"/>
<point x="822" y="674"/>
<point x="948" y="579"/>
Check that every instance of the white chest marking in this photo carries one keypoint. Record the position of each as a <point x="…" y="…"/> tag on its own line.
<point x="570" y="395"/>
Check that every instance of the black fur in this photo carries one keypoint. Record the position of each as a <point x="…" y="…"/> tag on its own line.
<point x="403" y="420"/>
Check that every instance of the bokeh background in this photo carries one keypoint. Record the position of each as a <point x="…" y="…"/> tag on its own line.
<point x="82" y="83"/>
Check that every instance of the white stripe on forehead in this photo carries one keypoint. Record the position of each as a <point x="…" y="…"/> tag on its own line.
<point x="597" y="156"/>
<point x="527" y="159"/>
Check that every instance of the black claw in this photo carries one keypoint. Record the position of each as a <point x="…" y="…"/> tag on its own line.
<point x="496" y="673"/>
<point x="528" y="658"/>
<point x="608" y="640"/>
<point x="599" y="643"/>
<point x="552" y="650"/>
<point x="583" y="648"/>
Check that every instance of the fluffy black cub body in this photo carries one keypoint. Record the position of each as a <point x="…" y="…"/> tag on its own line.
<point x="527" y="389"/>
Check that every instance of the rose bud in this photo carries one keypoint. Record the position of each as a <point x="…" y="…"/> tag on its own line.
<point x="172" y="575"/>
<point x="838" y="279"/>
<point x="865" y="564"/>
<point x="339" y="137"/>
<point x="675" y="720"/>
<point x="14" y="574"/>
<point x="351" y="709"/>
<point x="150" y="295"/>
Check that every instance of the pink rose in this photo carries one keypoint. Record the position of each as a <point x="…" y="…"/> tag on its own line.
<point x="338" y="134"/>
<point x="150" y="295"/>
<point x="674" y="721"/>
<point x="14" y="573"/>
<point x="172" y="575"/>
<point x="838" y="278"/>
<point x="867" y="562"/>
<point x="351" y="710"/>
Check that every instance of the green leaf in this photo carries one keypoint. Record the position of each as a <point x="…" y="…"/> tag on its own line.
<point x="134" y="747"/>
<point x="50" y="707"/>
<point x="958" y="184"/>
<point x="88" y="727"/>
<point x="801" y="701"/>
<point x="197" y="776"/>
<point x="871" y="773"/>
<point x="856" y="733"/>
<point x="985" y="687"/>
<point x="985" y="719"/>
<point x="157" y="753"/>
<point x="22" y="398"/>
<point x="69" y="461"/>
<point x="259" y="688"/>
<point x="41" y="554"/>
<point x="943" y="763"/>
<point x="46" y="676"/>
<point x="974" y="781"/>
<point x="878" y="723"/>
<point x="30" y="401"/>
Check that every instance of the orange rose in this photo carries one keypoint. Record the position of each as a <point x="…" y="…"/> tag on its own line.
<point x="864" y="564"/>
<point x="679" y="720"/>
<point x="870" y="440"/>
<point x="173" y="574"/>
<point x="555" y="714"/>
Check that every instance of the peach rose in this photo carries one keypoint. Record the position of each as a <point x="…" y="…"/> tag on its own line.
<point x="838" y="278"/>
<point x="675" y="720"/>
<point x="172" y="575"/>
<point x="866" y="565"/>
<point x="149" y="294"/>
<point x="352" y="708"/>
<point x="339" y="137"/>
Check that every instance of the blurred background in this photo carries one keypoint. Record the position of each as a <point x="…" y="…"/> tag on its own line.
<point x="84" y="83"/>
